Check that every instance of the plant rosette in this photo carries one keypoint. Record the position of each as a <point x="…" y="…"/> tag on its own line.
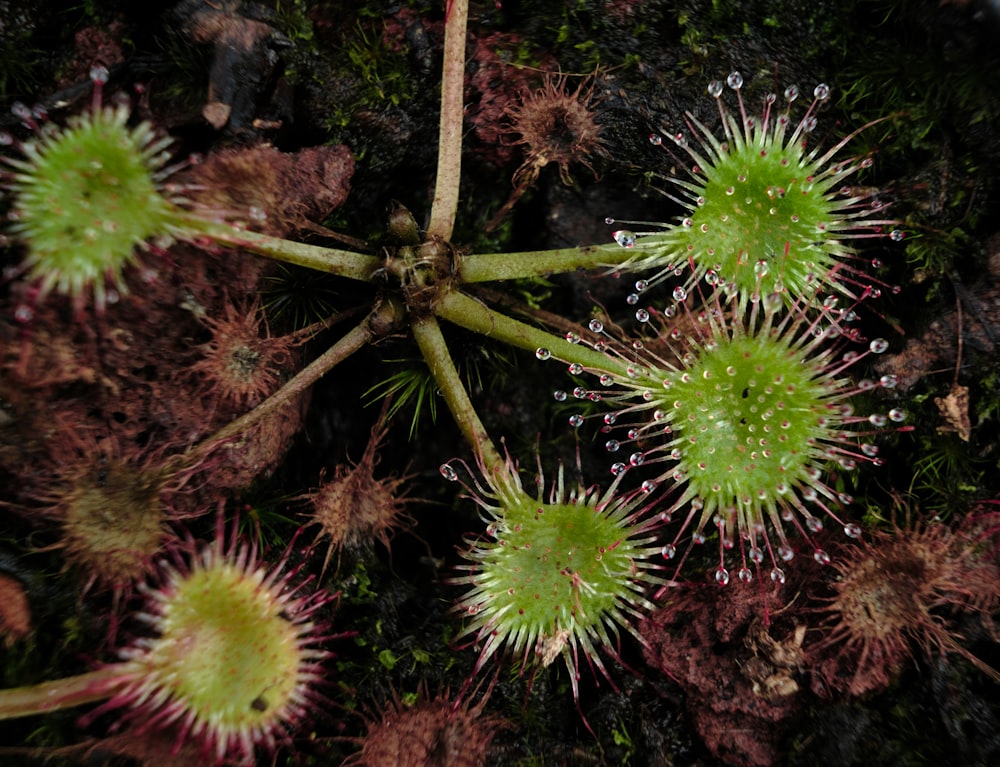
<point x="764" y="213"/>
<point x="556" y="578"/>
<point x="749" y="410"/>
<point x="235" y="663"/>
<point x="86" y="196"/>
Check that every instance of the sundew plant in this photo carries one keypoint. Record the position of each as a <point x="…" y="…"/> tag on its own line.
<point x="729" y="416"/>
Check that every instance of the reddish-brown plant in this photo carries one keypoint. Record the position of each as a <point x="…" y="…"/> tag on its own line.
<point x="113" y="510"/>
<point x="554" y="125"/>
<point x="242" y="364"/>
<point x="433" y="732"/>
<point x="894" y="595"/>
<point x="354" y="506"/>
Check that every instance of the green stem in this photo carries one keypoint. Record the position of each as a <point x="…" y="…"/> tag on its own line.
<point x="488" y="267"/>
<point x="432" y="345"/>
<point x="471" y="314"/>
<point x="449" y="164"/>
<point x="59" y="693"/>
<point x="343" y="263"/>
<point x="387" y="314"/>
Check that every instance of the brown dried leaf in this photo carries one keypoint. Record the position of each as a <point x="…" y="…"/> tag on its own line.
<point x="954" y="409"/>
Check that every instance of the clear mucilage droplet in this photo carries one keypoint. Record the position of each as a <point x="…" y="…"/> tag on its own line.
<point x="448" y="472"/>
<point x="878" y="345"/>
<point x="625" y="238"/>
<point x="735" y="80"/>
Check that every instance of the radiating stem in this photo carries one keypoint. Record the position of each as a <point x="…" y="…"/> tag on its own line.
<point x="471" y="314"/>
<point x="59" y="693"/>
<point x="488" y="267"/>
<point x="449" y="164"/>
<point x="344" y="263"/>
<point x="385" y="315"/>
<point x="432" y="345"/>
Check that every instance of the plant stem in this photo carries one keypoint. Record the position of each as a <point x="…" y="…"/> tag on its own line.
<point x="59" y="693"/>
<point x="469" y="313"/>
<point x="384" y="315"/>
<point x="488" y="267"/>
<point x="343" y="263"/>
<point x="449" y="164"/>
<point x="432" y="345"/>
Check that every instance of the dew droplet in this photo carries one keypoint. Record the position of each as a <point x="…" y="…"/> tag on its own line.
<point x="542" y="353"/>
<point x="24" y="314"/>
<point x="448" y="472"/>
<point x="99" y="74"/>
<point x="624" y="237"/>
<point x="21" y="111"/>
